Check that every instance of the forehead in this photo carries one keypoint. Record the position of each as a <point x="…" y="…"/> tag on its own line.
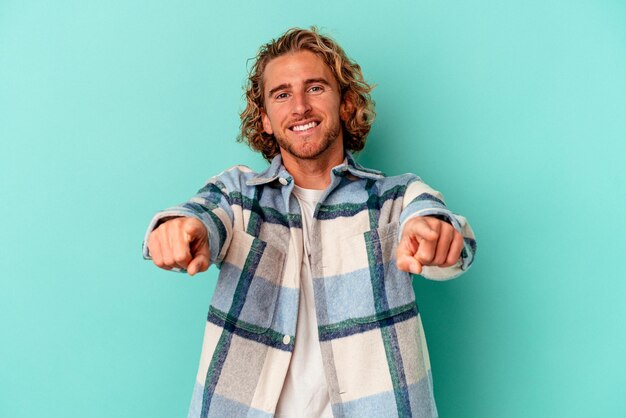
<point x="295" y="67"/>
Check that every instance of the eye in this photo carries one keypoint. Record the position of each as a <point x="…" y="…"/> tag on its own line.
<point x="281" y="96"/>
<point x="316" y="89"/>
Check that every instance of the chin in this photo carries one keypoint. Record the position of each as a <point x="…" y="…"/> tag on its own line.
<point x="311" y="147"/>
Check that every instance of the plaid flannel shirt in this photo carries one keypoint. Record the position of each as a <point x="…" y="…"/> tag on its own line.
<point x="370" y="332"/>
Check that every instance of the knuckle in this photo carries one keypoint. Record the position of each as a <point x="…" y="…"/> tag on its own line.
<point x="434" y="223"/>
<point x="190" y="223"/>
<point x="426" y="258"/>
<point x="450" y="262"/>
<point x="153" y="238"/>
<point x="190" y="220"/>
<point x="172" y="224"/>
<point x="416" y="222"/>
<point x="168" y="261"/>
<point x="181" y="258"/>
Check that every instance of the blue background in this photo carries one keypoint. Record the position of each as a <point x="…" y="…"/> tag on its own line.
<point x="110" y="111"/>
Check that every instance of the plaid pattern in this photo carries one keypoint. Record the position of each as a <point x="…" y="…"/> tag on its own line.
<point x="371" y="336"/>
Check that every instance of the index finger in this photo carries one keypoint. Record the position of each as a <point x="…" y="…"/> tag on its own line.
<point x="180" y="243"/>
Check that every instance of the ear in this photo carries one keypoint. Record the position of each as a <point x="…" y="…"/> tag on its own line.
<point x="267" y="126"/>
<point x="346" y="108"/>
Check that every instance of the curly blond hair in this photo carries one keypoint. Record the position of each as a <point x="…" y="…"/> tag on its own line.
<point x="347" y="73"/>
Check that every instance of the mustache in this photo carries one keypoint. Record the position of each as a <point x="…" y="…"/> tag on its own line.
<point x="307" y="119"/>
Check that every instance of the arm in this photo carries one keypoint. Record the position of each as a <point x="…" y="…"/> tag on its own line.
<point x="195" y="234"/>
<point x="434" y="242"/>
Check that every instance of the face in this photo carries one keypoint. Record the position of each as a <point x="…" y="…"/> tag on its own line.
<point x="303" y="106"/>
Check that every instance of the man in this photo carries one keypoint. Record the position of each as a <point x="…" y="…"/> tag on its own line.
<point x="314" y="313"/>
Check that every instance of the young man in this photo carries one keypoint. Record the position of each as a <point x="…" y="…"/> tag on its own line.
<point x="314" y="313"/>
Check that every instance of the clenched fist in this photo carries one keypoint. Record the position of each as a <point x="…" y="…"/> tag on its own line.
<point x="427" y="241"/>
<point x="181" y="243"/>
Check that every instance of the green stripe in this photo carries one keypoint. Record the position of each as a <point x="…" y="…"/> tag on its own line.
<point x="269" y="213"/>
<point x="342" y="207"/>
<point x="377" y="276"/>
<point x="254" y="223"/>
<point x="373" y="210"/>
<point x="273" y="335"/>
<point x="247" y="273"/>
<point x="365" y="319"/>
<point x="401" y="400"/>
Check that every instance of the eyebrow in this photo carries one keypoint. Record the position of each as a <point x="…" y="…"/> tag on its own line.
<point x="306" y="82"/>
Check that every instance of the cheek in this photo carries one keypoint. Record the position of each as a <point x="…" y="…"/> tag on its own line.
<point x="336" y="110"/>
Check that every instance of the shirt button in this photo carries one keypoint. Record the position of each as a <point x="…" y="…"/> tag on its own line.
<point x="286" y="339"/>
<point x="283" y="181"/>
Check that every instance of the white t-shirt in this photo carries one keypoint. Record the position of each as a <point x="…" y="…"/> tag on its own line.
<point x="305" y="391"/>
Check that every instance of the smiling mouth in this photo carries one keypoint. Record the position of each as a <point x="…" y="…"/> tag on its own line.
<point x="304" y="127"/>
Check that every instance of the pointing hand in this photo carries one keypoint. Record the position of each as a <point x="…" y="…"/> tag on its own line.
<point x="428" y="241"/>
<point x="180" y="243"/>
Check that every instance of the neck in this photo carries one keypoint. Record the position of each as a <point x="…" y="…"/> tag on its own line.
<point x="312" y="173"/>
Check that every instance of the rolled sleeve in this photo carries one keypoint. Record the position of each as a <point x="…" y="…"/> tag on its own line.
<point x="212" y="206"/>
<point x="422" y="200"/>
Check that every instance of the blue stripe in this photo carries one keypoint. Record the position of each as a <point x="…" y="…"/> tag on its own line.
<point x="472" y="244"/>
<point x="221" y="232"/>
<point x="355" y="286"/>
<point x="429" y="197"/>
<point x="383" y="404"/>
<point x="425" y="202"/>
<point x="213" y="194"/>
<point x="224" y="407"/>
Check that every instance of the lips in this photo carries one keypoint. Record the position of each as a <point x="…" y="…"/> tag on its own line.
<point x="304" y="126"/>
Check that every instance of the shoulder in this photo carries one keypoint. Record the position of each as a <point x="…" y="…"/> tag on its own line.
<point x="235" y="171"/>
<point x="399" y="183"/>
<point x="233" y="178"/>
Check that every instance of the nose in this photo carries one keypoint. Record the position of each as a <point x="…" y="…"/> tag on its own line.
<point x="301" y="105"/>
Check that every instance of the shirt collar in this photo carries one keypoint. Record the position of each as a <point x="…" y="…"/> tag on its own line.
<point x="277" y="170"/>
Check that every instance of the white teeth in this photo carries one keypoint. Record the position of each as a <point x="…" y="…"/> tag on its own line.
<point x="304" y="127"/>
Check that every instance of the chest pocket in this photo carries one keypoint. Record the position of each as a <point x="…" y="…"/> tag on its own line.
<point x="392" y="289"/>
<point x="248" y="285"/>
<point x="362" y="283"/>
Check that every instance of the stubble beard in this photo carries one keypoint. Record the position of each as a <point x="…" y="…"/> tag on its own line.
<point x="329" y="138"/>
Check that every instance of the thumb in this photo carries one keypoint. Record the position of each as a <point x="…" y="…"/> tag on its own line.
<point x="200" y="252"/>
<point x="200" y="261"/>
<point x="405" y="255"/>
<point x="409" y="264"/>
